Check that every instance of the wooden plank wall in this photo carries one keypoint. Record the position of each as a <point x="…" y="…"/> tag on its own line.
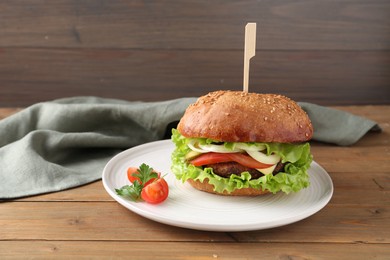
<point x="322" y="51"/>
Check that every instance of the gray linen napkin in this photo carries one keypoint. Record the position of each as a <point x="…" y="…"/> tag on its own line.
<point x="65" y="143"/>
<point x="337" y="127"/>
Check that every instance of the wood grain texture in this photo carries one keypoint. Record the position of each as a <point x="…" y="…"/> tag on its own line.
<point x="109" y="221"/>
<point x="327" y="52"/>
<point x="174" y="250"/>
<point x="6" y="112"/>
<point x="89" y="221"/>
<point x="282" y="25"/>
<point x="34" y="75"/>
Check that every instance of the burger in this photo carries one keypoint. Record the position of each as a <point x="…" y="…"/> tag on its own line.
<point x="246" y="144"/>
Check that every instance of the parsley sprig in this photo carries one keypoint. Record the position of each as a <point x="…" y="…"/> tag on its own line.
<point x="144" y="174"/>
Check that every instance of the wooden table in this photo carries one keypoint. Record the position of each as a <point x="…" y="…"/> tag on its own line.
<point x="85" y="222"/>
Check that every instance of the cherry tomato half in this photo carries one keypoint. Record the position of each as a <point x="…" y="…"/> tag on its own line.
<point x="156" y="192"/>
<point x="130" y="172"/>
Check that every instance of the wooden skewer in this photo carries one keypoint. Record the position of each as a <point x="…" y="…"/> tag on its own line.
<point x="249" y="51"/>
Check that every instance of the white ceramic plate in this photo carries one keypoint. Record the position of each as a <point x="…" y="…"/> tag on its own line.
<point x="190" y="208"/>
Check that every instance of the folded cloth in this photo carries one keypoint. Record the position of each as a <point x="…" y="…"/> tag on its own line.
<point x="65" y="143"/>
<point x="337" y="127"/>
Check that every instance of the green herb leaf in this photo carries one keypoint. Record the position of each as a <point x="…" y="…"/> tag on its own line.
<point x="133" y="192"/>
<point x="145" y="173"/>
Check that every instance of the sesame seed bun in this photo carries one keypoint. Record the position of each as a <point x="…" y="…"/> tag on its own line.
<point x="235" y="116"/>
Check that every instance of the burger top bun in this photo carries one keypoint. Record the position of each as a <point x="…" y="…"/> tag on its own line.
<point x="236" y="116"/>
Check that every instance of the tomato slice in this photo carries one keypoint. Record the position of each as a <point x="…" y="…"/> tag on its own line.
<point x="211" y="158"/>
<point x="132" y="176"/>
<point x="156" y="192"/>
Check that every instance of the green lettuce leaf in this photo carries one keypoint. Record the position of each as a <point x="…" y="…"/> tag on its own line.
<point x="294" y="178"/>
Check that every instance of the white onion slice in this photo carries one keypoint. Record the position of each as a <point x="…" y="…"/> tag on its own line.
<point x="218" y="148"/>
<point x="263" y="158"/>
<point x="191" y="145"/>
<point x="253" y="150"/>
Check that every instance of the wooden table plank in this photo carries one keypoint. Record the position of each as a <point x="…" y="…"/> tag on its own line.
<point x="195" y="251"/>
<point x="326" y="78"/>
<point x="289" y="24"/>
<point x="88" y="221"/>
<point x="349" y="159"/>
<point x="111" y="221"/>
<point x="93" y="192"/>
<point x="378" y="113"/>
<point x="5" y="112"/>
<point x="334" y="224"/>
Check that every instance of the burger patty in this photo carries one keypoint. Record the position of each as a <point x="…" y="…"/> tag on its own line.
<point x="279" y="167"/>
<point x="226" y="169"/>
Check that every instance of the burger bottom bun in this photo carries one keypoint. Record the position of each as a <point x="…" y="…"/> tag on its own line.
<point x="207" y="187"/>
